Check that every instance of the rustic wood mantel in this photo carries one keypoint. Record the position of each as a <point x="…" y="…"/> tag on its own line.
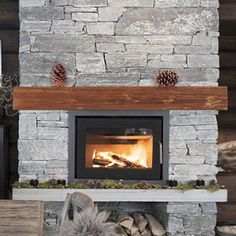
<point x="120" y="98"/>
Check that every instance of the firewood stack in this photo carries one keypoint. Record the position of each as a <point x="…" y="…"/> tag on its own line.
<point x="137" y="224"/>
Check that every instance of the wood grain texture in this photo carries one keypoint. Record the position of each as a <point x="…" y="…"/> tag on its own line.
<point x="21" y="218"/>
<point x="120" y="98"/>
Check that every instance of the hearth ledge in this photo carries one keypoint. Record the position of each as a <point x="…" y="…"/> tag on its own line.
<point x="124" y="195"/>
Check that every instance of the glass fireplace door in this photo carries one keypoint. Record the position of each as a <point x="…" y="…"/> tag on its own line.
<point x="118" y="148"/>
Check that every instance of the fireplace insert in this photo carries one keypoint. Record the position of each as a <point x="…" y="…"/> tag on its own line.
<point x="127" y="145"/>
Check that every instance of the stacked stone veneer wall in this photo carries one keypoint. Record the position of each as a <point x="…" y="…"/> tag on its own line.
<point x="118" y="42"/>
<point x="123" y="42"/>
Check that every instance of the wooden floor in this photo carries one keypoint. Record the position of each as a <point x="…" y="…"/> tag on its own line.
<point x="227" y="119"/>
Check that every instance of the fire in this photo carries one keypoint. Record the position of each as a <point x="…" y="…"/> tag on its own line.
<point x="123" y="156"/>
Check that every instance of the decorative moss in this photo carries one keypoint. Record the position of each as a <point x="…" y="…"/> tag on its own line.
<point x="113" y="184"/>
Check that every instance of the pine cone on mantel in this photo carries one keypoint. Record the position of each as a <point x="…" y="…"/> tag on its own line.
<point x="167" y="78"/>
<point x="59" y="75"/>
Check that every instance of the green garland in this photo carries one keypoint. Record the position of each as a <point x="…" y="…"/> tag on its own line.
<point x="112" y="184"/>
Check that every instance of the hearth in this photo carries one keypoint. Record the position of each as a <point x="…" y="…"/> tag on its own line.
<point x="127" y="145"/>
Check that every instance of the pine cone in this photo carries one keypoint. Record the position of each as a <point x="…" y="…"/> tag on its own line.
<point x="59" y="77"/>
<point x="167" y="78"/>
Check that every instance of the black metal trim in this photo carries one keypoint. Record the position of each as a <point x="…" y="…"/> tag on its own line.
<point x="157" y="173"/>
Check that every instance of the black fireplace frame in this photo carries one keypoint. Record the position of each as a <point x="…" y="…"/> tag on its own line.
<point x="154" y="174"/>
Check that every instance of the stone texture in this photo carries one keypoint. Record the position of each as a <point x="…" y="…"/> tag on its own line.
<point x="125" y="60"/>
<point x="106" y="28"/>
<point x="133" y="3"/>
<point x="110" y="47"/>
<point x="51" y="133"/>
<point x="42" y="150"/>
<point x="90" y="62"/>
<point x="32" y="3"/>
<point x="202" y="223"/>
<point x="203" y="61"/>
<point x="108" y="79"/>
<point x="68" y="27"/>
<point x="27" y="127"/>
<point x="63" y="43"/>
<point x="203" y="149"/>
<point x="42" y="63"/>
<point x="82" y="3"/>
<point x="86" y="17"/>
<point x="42" y="13"/>
<point x="175" y="21"/>
<point x="195" y="169"/>
<point x="35" y="26"/>
<point x="110" y="13"/>
<point x="182" y="133"/>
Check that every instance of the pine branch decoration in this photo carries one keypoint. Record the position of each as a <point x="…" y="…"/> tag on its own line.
<point x="167" y="78"/>
<point x="59" y="75"/>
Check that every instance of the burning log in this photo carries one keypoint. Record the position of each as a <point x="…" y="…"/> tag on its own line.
<point x="109" y="159"/>
<point x="126" y="162"/>
<point x="101" y="162"/>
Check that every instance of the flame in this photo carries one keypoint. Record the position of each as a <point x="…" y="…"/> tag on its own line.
<point x="127" y="156"/>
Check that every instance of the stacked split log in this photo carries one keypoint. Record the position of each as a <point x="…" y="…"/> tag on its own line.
<point x="138" y="224"/>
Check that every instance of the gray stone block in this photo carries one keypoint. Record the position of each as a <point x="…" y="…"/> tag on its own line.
<point x="103" y="28"/>
<point x="42" y="13"/>
<point x="133" y="3"/>
<point x="90" y="62"/>
<point x="27" y="126"/>
<point x="210" y="3"/>
<point x="182" y="133"/>
<point x="208" y="208"/>
<point x="68" y="27"/>
<point x="61" y="123"/>
<point x="24" y="42"/>
<point x="110" y="47"/>
<point x="29" y="167"/>
<point x="175" y="21"/>
<point x="107" y="79"/>
<point x="203" y="149"/>
<point x="203" y="61"/>
<point x="194" y="120"/>
<point x="195" y="169"/>
<point x="175" y="224"/>
<point x="183" y="208"/>
<point x="42" y="63"/>
<point x="48" y="116"/>
<point x="81" y="3"/>
<point x="193" y="224"/>
<point x="158" y="49"/>
<point x="169" y="39"/>
<point x="124" y="60"/>
<point x="35" y="26"/>
<point x="134" y="39"/>
<point x="42" y="150"/>
<point x="183" y="159"/>
<point x="85" y="17"/>
<point x="193" y="49"/>
<point x="50" y="133"/>
<point x="32" y="3"/>
<point x="71" y="9"/>
<point x="63" y="43"/>
<point x="110" y="13"/>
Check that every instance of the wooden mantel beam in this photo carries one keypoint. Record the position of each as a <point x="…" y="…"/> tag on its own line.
<point x="120" y="98"/>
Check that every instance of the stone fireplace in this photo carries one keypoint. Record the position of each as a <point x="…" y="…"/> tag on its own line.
<point x="122" y="43"/>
